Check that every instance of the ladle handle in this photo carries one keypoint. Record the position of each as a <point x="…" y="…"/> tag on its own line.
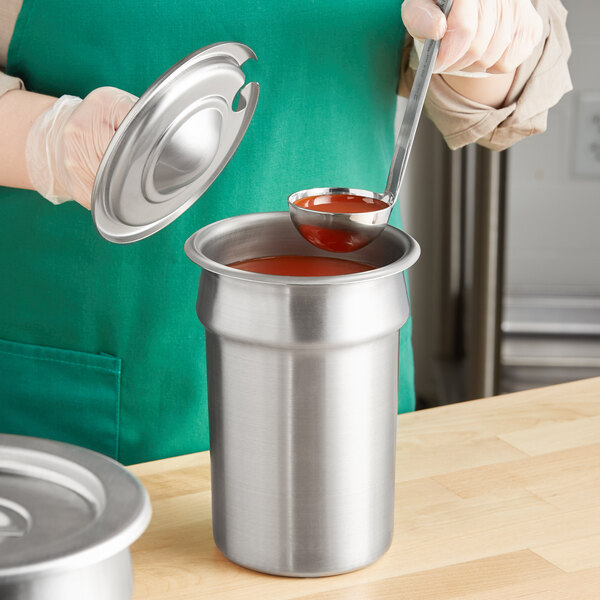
<point x="408" y="128"/>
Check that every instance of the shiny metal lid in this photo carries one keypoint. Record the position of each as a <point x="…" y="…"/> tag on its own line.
<point x="173" y="143"/>
<point x="62" y="506"/>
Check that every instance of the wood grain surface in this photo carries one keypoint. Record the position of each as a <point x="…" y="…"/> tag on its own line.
<point x="496" y="499"/>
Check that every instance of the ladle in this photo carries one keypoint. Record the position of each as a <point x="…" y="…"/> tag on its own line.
<point x="345" y="232"/>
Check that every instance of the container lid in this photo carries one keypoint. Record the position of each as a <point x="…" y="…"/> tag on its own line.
<point x="173" y="143"/>
<point x="62" y="506"/>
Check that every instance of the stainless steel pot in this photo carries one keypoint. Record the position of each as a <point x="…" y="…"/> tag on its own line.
<point x="303" y="391"/>
<point x="67" y="519"/>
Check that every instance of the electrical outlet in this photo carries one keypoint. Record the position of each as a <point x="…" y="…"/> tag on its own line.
<point x="587" y="132"/>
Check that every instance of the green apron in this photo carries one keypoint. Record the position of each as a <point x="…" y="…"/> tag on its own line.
<point x="99" y="343"/>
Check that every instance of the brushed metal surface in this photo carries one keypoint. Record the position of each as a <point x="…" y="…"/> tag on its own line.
<point x="110" y="579"/>
<point x="303" y="392"/>
<point x="67" y="518"/>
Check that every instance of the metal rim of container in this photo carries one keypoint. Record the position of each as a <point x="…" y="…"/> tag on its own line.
<point x="195" y="254"/>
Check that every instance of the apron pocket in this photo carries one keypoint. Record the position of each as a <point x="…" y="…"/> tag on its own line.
<point x="60" y="394"/>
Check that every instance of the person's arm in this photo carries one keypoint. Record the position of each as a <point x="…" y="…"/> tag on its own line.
<point x="491" y="90"/>
<point x="508" y="104"/>
<point x="54" y="146"/>
<point x="487" y="36"/>
<point x="18" y="111"/>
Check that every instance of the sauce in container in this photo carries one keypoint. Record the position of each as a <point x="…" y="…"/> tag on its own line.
<point x="301" y="266"/>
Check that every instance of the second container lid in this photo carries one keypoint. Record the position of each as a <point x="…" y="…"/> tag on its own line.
<point x="63" y="507"/>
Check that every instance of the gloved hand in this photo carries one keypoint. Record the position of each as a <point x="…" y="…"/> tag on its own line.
<point x="66" y="143"/>
<point x="493" y="36"/>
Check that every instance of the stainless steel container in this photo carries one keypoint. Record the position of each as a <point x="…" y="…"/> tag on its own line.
<point x="303" y="391"/>
<point x="67" y="519"/>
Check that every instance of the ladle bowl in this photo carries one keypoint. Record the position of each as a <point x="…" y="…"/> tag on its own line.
<point x="339" y="232"/>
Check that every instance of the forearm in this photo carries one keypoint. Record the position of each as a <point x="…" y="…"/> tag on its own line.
<point x="491" y="90"/>
<point x="18" y="110"/>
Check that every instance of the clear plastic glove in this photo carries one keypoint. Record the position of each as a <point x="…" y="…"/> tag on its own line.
<point x="480" y="36"/>
<point x="66" y="143"/>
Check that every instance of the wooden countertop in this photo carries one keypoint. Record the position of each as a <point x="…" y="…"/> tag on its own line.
<point x="496" y="499"/>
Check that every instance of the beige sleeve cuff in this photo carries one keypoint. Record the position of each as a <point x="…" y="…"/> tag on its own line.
<point x="540" y="82"/>
<point x="7" y="83"/>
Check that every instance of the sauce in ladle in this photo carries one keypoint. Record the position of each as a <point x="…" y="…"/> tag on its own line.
<point x="341" y="203"/>
<point x="301" y="266"/>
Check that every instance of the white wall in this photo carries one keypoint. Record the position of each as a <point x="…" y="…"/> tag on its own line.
<point x="553" y="240"/>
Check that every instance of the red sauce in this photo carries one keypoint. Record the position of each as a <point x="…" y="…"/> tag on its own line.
<point x="341" y="203"/>
<point x="301" y="266"/>
<point x="337" y="240"/>
<point x="333" y="240"/>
